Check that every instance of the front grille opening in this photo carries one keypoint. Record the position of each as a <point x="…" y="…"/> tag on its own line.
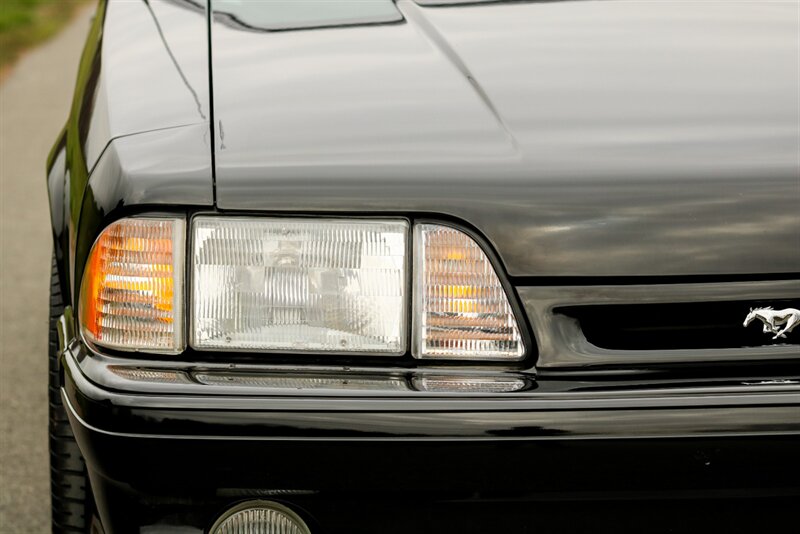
<point x="673" y="326"/>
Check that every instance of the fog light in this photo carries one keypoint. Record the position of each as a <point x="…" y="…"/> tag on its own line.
<point x="259" y="516"/>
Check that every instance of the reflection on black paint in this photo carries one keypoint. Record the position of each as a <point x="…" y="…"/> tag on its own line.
<point x="677" y="156"/>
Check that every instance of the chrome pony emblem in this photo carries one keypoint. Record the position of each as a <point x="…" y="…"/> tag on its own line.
<point x="778" y="322"/>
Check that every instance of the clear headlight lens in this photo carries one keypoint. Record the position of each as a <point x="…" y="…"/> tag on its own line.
<point x="132" y="289"/>
<point x="325" y="285"/>
<point x="461" y="310"/>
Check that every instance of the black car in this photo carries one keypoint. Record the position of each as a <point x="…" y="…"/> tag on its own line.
<point x="428" y="266"/>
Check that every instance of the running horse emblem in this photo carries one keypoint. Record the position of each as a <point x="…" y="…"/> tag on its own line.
<point x="778" y="322"/>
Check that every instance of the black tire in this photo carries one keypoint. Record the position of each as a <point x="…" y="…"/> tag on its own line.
<point x="69" y="485"/>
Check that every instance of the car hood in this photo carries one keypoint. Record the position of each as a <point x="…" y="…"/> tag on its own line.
<point x="580" y="138"/>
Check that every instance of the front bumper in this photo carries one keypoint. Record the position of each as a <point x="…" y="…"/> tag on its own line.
<point x="173" y="456"/>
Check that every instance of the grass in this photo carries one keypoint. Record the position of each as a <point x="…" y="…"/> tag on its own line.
<point x="26" y="23"/>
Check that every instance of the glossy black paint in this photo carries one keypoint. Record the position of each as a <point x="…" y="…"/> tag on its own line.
<point x="164" y="170"/>
<point x="582" y="138"/>
<point x="433" y="487"/>
<point x="580" y="141"/>
<point x="142" y="407"/>
<point x="144" y="70"/>
<point x="168" y="455"/>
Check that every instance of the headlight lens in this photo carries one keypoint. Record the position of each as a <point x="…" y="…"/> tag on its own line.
<point x="324" y="285"/>
<point x="132" y="289"/>
<point x="461" y="310"/>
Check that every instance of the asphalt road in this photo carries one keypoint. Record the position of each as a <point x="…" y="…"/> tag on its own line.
<point x="34" y="103"/>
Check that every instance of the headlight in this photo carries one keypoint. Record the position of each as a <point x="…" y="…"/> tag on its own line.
<point x="132" y="289"/>
<point x="297" y="285"/>
<point x="320" y="285"/>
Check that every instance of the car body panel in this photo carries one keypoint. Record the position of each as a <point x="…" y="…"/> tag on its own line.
<point x="582" y="139"/>
<point x="165" y="458"/>
<point x="151" y="71"/>
<point x="603" y="153"/>
<point x="144" y="68"/>
<point x="160" y="170"/>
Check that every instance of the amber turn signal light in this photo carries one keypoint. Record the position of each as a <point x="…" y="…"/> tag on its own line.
<point x="132" y="289"/>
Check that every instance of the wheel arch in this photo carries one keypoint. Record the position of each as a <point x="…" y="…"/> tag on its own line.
<point x="57" y="192"/>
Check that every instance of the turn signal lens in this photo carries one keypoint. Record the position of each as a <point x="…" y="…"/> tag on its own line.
<point x="461" y="310"/>
<point x="322" y="285"/>
<point x="132" y="289"/>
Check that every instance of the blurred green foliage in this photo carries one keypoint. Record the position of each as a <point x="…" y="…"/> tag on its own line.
<point x="24" y="23"/>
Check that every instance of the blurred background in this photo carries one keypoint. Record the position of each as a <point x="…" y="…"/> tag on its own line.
<point x="40" y="44"/>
